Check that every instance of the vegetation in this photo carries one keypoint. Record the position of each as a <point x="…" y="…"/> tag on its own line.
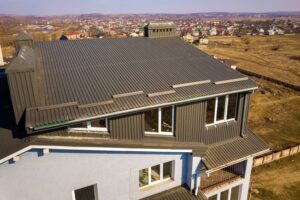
<point x="277" y="180"/>
<point x="273" y="56"/>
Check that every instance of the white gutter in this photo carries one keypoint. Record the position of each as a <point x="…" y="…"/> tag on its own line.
<point x="146" y="107"/>
<point x="18" y="153"/>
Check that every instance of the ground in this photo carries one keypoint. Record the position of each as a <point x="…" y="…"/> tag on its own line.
<point x="278" y="180"/>
<point x="274" y="110"/>
<point x="273" y="56"/>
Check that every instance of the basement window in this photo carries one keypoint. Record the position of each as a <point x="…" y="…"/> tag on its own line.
<point x="89" y="192"/>
<point x="160" y="121"/>
<point x="156" y="174"/>
<point x="221" y="109"/>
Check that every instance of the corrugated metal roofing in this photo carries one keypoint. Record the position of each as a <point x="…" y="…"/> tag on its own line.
<point x="177" y="193"/>
<point x="232" y="150"/>
<point x="92" y="71"/>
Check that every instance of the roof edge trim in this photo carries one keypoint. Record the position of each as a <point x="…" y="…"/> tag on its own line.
<point x="161" y="93"/>
<point x="58" y="147"/>
<point x="33" y="129"/>
<point x="115" y="96"/>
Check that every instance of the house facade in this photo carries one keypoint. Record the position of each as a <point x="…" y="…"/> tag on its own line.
<point x="134" y="118"/>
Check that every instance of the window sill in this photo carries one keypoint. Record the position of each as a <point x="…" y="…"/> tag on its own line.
<point x="156" y="184"/>
<point x="80" y="130"/>
<point x="159" y="134"/>
<point x="230" y="121"/>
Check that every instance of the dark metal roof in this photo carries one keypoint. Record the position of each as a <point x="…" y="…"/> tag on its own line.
<point x="229" y="151"/>
<point x="93" y="71"/>
<point x="24" y="62"/>
<point x="177" y="193"/>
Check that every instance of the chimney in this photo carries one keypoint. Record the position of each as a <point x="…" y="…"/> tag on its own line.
<point x="160" y="30"/>
<point x="1" y="57"/>
<point x="23" y="39"/>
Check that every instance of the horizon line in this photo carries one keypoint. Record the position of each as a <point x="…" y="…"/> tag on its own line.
<point x="150" y="13"/>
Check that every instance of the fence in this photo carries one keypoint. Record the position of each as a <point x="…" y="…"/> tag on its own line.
<point x="279" y="82"/>
<point x="276" y="156"/>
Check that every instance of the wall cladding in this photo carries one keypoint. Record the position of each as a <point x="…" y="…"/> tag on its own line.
<point x="190" y="124"/>
<point x="127" y="127"/>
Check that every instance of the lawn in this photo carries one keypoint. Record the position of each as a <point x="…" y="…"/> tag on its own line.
<point x="279" y="180"/>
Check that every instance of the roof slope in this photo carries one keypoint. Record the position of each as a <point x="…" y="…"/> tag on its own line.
<point x="97" y="73"/>
<point x="230" y="151"/>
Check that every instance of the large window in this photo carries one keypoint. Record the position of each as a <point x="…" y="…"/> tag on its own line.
<point x="89" y="192"/>
<point x="229" y="194"/>
<point x="160" y="121"/>
<point x="95" y="125"/>
<point x="221" y="109"/>
<point x="155" y="174"/>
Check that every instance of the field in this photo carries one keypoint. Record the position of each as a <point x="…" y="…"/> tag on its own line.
<point x="274" y="110"/>
<point x="278" y="180"/>
<point x="273" y="56"/>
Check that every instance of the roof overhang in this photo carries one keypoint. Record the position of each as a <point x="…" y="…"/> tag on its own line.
<point x="48" y="127"/>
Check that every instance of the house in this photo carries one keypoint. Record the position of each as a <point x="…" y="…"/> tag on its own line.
<point x="133" y="118"/>
<point x="203" y="40"/>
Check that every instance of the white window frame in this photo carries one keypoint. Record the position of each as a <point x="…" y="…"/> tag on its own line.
<point x="229" y="188"/>
<point x="159" y="124"/>
<point x="161" y="171"/>
<point x="225" y="112"/>
<point x="90" y="128"/>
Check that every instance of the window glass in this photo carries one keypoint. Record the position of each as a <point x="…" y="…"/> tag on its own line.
<point x="235" y="193"/>
<point x="99" y="123"/>
<point x="215" y="197"/>
<point x="81" y="125"/>
<point x="143" y="177"/>
<point x="221" y="108"/>
<point x="166" y="119"/>
<point x="224" y="195"/>
<point x="210" y="111"/>
<point x="167" y="170"/>
<point x="232" y="106"/>
<point x="151" y="120"/>
<point x="85" y="193"/>
<point x="155" y="173"/>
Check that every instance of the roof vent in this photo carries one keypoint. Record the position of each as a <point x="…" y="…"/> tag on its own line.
<point x="160" y="30"/>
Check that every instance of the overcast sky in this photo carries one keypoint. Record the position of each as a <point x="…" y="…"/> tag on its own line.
<point x="58" y="7"/>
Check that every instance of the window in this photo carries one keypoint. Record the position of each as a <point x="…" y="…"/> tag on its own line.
<point x="229" y="194"/>
<point x="159" y="121"/>
<point x="156" y="174"/>
<point x="89" y="192"/>
<point x="95" y="125"/>
<point x="221" y="109"/>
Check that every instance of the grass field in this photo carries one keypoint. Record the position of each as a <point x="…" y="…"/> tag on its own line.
<point x="274" y="110"/>
<point x="273" y="56"/>
<point x="279" y="180"/>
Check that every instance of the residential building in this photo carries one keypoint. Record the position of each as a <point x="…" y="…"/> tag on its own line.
<point x="133" y="118"/>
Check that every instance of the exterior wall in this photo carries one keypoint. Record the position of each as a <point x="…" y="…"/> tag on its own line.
<point x="57" y="174"/>
<point x="149" y="33"/>
<point x="127" y="127"/>
<point x="190" y="124"/>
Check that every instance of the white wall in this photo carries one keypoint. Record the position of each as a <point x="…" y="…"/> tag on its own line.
<point x="55" y="175"/>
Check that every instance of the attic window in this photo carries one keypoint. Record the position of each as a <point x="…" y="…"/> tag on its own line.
<point x="160" y="121"/>
<point x="221" y="109"/>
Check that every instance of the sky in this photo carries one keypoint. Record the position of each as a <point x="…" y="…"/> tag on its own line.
<point x="60" y="7"/>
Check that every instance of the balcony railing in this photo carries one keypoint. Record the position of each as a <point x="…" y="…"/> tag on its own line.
<point x="223" y="176"/>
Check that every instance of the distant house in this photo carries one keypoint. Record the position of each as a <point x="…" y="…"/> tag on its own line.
<point x="150" y="118"/>
<point x="213" y="31"/>
<point x="203" y="40"/>
<point x="75" y="35"/>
